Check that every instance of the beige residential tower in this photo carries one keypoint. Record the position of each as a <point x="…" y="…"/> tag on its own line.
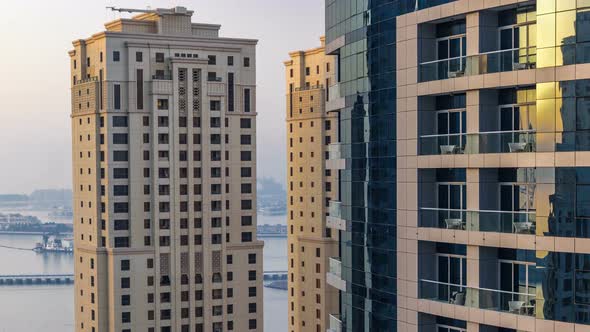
<point x="310" y="129"/>
<point x="164" y="159"/>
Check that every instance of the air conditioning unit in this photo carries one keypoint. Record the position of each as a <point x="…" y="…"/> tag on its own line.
<point x="517" y="147"/>
<point x="448" y="149"/>
<point x="520" y="66"/>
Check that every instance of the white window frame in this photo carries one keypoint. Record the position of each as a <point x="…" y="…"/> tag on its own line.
<point x="461" y="57"/>
<point x="450" y="328"/>
<point x="528" y="285"/>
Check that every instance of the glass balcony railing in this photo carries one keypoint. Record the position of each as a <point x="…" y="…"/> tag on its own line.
<point x="334" y="92"/>
<point x="442" y="69"/>
<point x="442" y="144"/>
<point x="482" y="298"/>
<point x="504" y="142"/>
<point x="335" y="323"/>
<point x="514" y="222"/>
<point x="335" y="209"/>
<point x="484" y="63"/>
<point x="335" y="266"/>
<point x="335" y="151"/>
<point x="484" y="142"/>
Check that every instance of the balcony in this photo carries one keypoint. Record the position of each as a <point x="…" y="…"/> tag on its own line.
<point x="161" y="85"/>
<point x="309" y="87"/>
<point x="475" y="143"/>
<point x="482" y="298"/>
<point x="215" y="89"/>
<point x="513" y="222"/>
<point x="335" y="323"/>
<point x="335" y="219"/>
<point x="483" y="63"/>
<point x="335" y="100"/>
<point x="334" y="275"/>
<point x="336" y="158"/>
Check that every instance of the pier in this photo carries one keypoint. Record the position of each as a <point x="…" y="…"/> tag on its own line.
<point x="36" y="279"/>
<point x="275" y="275"/>
<point x="53" y="279"/>
<point x="275" y="279"/>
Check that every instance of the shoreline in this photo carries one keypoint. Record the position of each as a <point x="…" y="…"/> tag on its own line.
<point x="30" y="233"/>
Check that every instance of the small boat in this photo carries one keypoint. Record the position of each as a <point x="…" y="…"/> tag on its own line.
<point x="53" y="246"/>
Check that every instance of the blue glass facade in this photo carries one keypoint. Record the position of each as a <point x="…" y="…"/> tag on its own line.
<point x="367" y="81"/>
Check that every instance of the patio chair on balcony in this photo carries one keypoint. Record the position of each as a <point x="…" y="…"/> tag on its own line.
<point x="458" y="73"/>
<point x="454" y="223"/>
<point x="448" y="149"/>
<point x="518" y="146"/>
<point x="515" y="307"/>
<point x="523" y="227"/>
<point x="458" y="298"/>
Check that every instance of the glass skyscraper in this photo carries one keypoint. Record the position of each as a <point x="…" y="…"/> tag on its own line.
<point x="464" y="165"/>
<point x="362" y="34"/>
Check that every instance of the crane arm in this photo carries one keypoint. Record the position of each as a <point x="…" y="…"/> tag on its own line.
<point x="131" y="10"/>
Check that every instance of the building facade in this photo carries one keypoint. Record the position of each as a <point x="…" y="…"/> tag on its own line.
<point x="362" y="36"/>
<point x="490" y="151"/>
<point x="164" y="158"/>
<point x="310" y="130"/>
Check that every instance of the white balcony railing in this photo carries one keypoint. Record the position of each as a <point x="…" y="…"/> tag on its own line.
<point x="334" y="92"/>
<point x="335" y="151"/>
<point x="161" y="87"/>
<point x="334" y="275"/>
<point x="336" y="159"/>
<point x="335" y="266"/>
<point x="335" y="323"/>
<point x="335" y="100"/>
<point x="215" y="89"/>
<point x="334" y="219"/>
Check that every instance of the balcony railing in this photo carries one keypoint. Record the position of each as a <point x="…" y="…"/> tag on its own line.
<point x="335" y="218"/>
<point x="483" y="63"/>
<point x="483" y="142"/>
<point x="335" y="101"/>
<point x="334" y="91"/>
<point x="162" y="77"/>
<point x="482" y="298"/>
<point x="504" y="141"/>
<point x="87" y="80"/>
<point x="514" y="222"/>
<point x="335" y="151"/>
<point x="334" y="274"/>
<point x="335" y="266"/>
<point x="335" y="209"/>
<point x="309" y="87"/>
<point x="443" y="144"/>
<point x="335" y="323"/>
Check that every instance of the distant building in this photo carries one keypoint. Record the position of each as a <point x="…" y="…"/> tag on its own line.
<point x="164" y="159"/>
<point x="16" y="219"/>
<point x="310" y="131"/>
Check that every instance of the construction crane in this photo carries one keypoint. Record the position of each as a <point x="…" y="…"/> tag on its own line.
<point x="131" y="10"/>
<point x="177" y="10"/>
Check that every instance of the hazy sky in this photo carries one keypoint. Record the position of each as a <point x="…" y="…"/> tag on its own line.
<point x="35" y="136"/>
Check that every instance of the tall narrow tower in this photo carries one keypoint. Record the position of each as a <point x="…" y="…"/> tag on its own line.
<point x="310" y="130"/>
<point x="164" y="148"/>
